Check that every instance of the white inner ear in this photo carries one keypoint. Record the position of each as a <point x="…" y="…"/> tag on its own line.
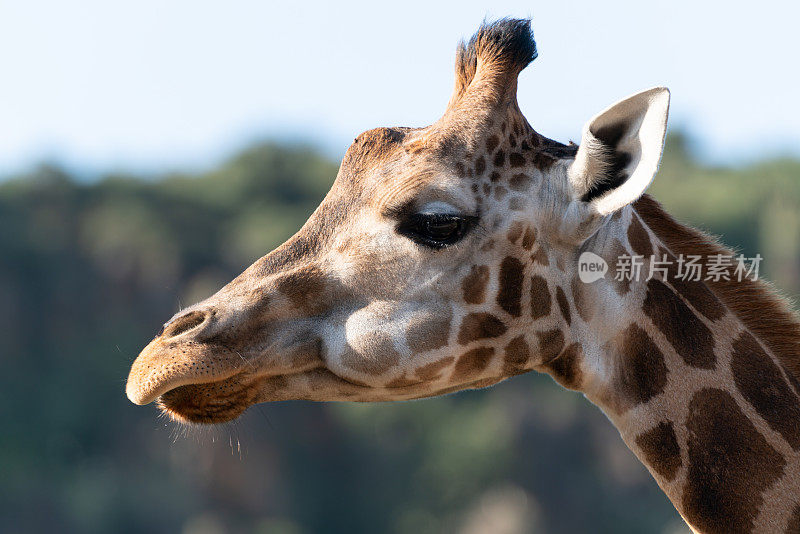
<point x="637" y="126"/>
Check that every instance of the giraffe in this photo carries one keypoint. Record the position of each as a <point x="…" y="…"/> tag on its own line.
<point x="447" y="257"/>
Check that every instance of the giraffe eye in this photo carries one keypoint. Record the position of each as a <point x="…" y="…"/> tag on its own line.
<point x="435" y="230"/>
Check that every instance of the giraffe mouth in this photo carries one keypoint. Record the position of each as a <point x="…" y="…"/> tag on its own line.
<point x="209" y="402"/>
<point x="197" y="383"/>
<point x="217" y="402"/>
<point x="220" y="401"/>
<point x="163" y="367"/>
<point x="210" y="396"/>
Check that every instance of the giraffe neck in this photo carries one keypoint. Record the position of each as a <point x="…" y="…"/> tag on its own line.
<point x="697" y="397"/>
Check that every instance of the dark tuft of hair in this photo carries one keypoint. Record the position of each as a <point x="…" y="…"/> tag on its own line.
<point x="507" y="43"/>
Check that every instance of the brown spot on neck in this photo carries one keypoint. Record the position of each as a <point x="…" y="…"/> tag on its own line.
<point x="696" y="292"/>
<point x="760" y="381"/>
<point x="688" y="335"/>
<point x="660" y="450"/>
<point x="638" y="238"/>
<point x="640" y="372"/>
<point x="730" y="465"/>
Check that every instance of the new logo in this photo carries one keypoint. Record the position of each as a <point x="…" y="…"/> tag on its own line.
<point x="591" y="267"/>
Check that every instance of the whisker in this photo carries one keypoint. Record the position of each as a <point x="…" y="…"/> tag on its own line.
<point x="249" y="364"/>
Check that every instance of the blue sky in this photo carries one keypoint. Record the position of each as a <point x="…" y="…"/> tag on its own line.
<point x="158" y="85"/>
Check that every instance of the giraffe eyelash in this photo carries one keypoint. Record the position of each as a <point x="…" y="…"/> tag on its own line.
<point x="436" y="230"/>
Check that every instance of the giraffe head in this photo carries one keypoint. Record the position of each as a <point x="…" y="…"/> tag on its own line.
<point x="436" y="262"/>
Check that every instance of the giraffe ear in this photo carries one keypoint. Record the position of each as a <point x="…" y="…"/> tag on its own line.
<point x="620" y="151"/>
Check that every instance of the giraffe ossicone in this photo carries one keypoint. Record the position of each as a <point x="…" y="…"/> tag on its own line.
<point x="449" y="257"/>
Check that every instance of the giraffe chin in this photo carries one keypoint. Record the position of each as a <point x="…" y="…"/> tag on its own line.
<point x="208" y="403"/>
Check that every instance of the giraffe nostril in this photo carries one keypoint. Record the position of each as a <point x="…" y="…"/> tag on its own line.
<point x="183" y="324"/>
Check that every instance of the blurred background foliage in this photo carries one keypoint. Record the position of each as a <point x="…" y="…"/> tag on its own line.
<point x="88" y="271"/>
